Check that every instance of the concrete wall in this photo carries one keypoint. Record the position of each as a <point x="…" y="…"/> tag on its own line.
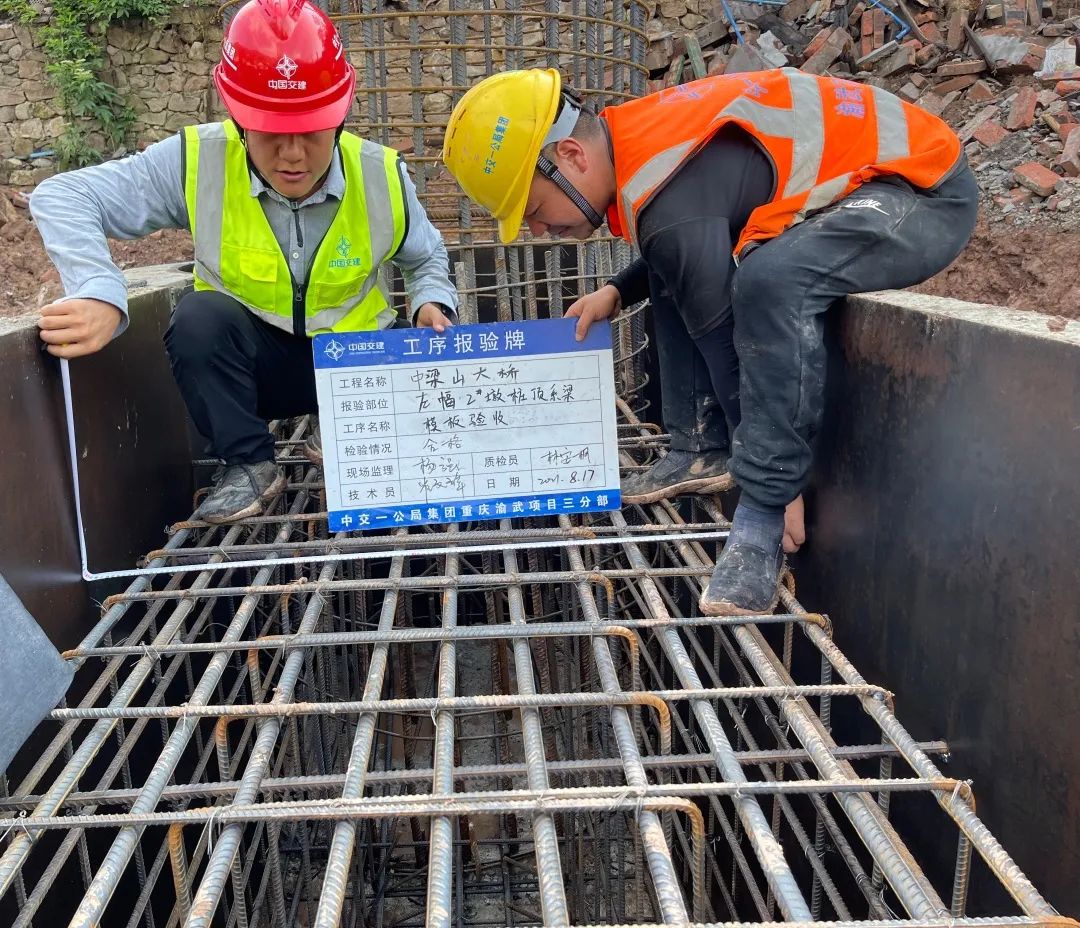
<point x="942" y="523"/>
<point x="134" y="459"/>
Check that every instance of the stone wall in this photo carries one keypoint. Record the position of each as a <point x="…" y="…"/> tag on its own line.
<point x="164" y="71"/>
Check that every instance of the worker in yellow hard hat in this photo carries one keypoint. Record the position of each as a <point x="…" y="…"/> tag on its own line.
<point x="757" y="201"/>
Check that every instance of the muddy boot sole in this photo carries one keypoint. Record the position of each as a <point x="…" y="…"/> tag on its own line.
<point x="725" y="607"/>
<point x="703" y="486"/>
<point x="255" y="508"/>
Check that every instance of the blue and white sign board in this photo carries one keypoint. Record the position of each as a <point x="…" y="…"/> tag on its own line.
<point x="511" y="419"/>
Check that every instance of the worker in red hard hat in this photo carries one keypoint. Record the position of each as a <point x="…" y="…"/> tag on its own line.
<point x="293" y="220"/>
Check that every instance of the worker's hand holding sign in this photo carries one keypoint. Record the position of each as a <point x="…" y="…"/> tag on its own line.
<point x="73" y="328"/>
<point x="429" y="316"/>
<point x="605" y="303"/>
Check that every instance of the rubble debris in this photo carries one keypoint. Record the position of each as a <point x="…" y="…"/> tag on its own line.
<point x="1036" y="178"/>
<point x="1004" y="74"/>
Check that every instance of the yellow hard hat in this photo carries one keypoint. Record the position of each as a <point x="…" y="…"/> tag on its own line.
<point x="494" y="137"/>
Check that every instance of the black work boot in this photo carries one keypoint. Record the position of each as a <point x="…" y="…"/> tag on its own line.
<point x="239" y="491"/>
<point x="679" y="472"/>
<point x="313" y="446"/>
<point x="747" y="575"/>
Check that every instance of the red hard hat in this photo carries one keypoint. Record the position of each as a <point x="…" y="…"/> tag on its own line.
<point x="283" y="68"/>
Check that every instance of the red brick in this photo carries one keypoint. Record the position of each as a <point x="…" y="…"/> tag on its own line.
<point x="990" y="133"/>
<point x="932" y="33"/>
<point x="981" y="92"/>
<point x="1065" y="129"/>
<point x="836" y="44"/>
<point x="1037" y="178"/>
<point x="1063" y="88"/>
<point x="1046" y="97"/>
<point x="817" y="42"/>
<point x="930" y="16"/>
<point x="866" y="40"/>
<point x="1022" y="111"/>
<point x="1053" y="77"/>
<point x="924" y="54"/>
<point x="956" y="68"/>
<point x="919" y="80"/>
<point x="955" y="36"/>
<point x="967" y="130"/>
<point x="1070" y="157"/>
<point x="955" y="83"/>
<point x="879" y="28"/>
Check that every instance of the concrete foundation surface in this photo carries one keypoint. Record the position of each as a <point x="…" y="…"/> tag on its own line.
<point x="942" y="543"/>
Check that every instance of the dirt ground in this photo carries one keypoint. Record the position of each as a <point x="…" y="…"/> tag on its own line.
<point x="1028" y="267"/>
<point x="28" y="279"/>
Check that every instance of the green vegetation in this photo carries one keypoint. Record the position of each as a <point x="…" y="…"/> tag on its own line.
<point x="74" y="42"/>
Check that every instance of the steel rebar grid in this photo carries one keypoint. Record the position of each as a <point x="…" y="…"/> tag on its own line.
<point x="291" y="773"/>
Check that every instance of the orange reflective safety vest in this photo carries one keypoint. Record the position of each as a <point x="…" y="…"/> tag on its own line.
<point x="825" y="137"/>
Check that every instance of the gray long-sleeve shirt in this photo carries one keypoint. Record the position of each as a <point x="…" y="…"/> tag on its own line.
<point x="76" y="211"/>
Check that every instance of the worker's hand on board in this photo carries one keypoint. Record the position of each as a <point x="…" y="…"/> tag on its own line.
<point x="604" y="303"/>
<point x="430" y="316"/>
<point x="73" y="328"/>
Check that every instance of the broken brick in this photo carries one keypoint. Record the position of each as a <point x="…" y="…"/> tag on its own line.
<point x="981" y="92"/>
<point x="1046" y="97"/>
<point x="954" y="38"/>
<point x="924" y="54"/>
<point x="866" y="40"/>
<point x="1045" y="148"/>
<point x="1037" y="178"/>
<point x="956" y="68"/>
<point x="835" y="46"/>
<point x="1022" y="112"/>
<point x="931" y="33"/>
<point x="968" y="129"/>
<point x="1065" y="129"/>
<point x="934" y="105"/>
<point x="955" y="83"/>
<point x="1064" y="88"/>
<point x="919" y="80"/>
<point x="1069" y="160"/>
<point x="908" y="92"/>
<point x="990" y="133"/>
<point x="817" y="42"/>
<point x="879" y="28"/>
<point x="930" y="16"/>
<point x="899" y="62"/>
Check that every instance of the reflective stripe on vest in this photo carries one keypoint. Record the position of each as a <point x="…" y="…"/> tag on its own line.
<point x="825" y="137"/>
<point x="236" y="251"/>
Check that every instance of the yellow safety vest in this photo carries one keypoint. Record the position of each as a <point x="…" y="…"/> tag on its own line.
<point x="236" y="251"/>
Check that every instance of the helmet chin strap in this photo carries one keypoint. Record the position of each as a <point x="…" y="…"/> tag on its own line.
<point x="547" y="167"/>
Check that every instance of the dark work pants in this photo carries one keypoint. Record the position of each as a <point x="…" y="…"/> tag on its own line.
<point x="699" y="377"/>
<point x="885" y="235"/>
<point x="236" y="372"/>
<point x="767" y="379"/>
